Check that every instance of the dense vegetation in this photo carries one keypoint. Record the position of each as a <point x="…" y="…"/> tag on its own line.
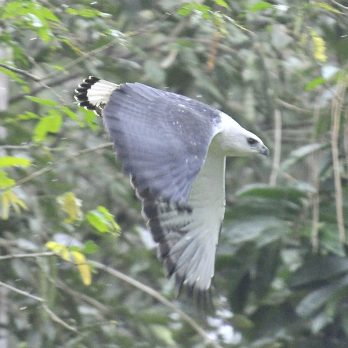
<point x="277" y="67"/>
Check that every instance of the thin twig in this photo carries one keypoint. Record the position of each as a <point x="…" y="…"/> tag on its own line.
<point x="23" y="256"/>
<point x="80" y="296"/>
<point x="277" y="147"/>
<point x="159" y="298"/>
<point x="87" y="55"/>
<point x="4" y="316"/>
<point x="293" y="107"/>
<point x="316" y="183"/>
<point x="22" y="292"/>
<point x="345" y="139"/>
<point x="336" y="111"/>
<point x="51" y="314"/>
<point x="118" y="275"/>
<point x="54" y="317"/>
<point x="49" y="167"/>
<point x="315" y="218"/>
<point x="16" y="147"/>
<point x="21" y="72"/>
<point x="54" y="82"/>
<point x="339" y="5"/>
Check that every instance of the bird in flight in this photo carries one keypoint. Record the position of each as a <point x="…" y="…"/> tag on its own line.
<point x="174" y="149"/>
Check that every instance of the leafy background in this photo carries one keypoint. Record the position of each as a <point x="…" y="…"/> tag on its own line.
<point x="77" y="266"/>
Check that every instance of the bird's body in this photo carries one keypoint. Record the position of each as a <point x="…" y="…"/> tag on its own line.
<point x="174" y="148"/>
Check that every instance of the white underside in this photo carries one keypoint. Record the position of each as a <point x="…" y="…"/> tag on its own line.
<point x="207" y="200"/>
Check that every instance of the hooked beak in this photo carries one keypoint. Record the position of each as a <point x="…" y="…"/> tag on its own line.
<point x="264" y="151"/>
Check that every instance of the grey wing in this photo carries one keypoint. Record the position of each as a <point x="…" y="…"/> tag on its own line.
<point x="161" y="138"/>
<point x="188" y="237"/>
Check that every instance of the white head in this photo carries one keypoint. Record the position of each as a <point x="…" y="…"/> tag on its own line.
<point x="237" y="141"/>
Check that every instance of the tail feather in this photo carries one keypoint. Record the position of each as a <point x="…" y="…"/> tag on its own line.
<point x="94" y="93"/>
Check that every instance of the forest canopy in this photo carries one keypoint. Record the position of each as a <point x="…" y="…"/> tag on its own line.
<point x="78" y="268"/>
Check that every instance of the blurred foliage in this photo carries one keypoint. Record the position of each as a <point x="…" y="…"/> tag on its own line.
<point x="277" y="67"/>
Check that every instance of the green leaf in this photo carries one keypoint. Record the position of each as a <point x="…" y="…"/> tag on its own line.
<point x="299" y="154"/>
<point x="318" y="81"/>
<point x="259" y="6"/>
<point x="252" y="229"/>
<point x="273" y="192"/>
<point x="222" y="3"/>
<point x="90" y="119"/>
<point x="330" y="240"/>
<point x="319" y="268"/>
<point x="42" y="101"/>
<point x="10" y="199"/>
<point x="15" y="77"/>
<point x="48" y="124"/>
<point x="47" y="14"/>
<point x="164" y="334"/>
<point x="5" y="180"/>
<point x="103" y="221"/>
<point x="45" y="34"/>
<point x="71" y="206"/>
<point x="11" y="161"/>
<point x="90" y="247"/>
<point x="184" y="10"/>
<point x="84" y="12"/>
<point x="188" y="8"/>
<point x="13" y="9"/>
<point x="241" y="322"/>
<point x="317" y="298"/>
<point x="326" y="7"/>
<point x="28" y="116"/>
<point x="71" y="114"/>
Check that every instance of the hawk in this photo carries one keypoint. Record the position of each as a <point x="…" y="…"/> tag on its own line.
<point x="174" y="149"/>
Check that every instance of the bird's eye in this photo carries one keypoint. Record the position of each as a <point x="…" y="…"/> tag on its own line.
<point x="252" y="141"/>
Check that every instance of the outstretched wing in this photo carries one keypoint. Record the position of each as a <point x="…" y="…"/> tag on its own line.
<point x="188" y="237"/>
<point x="161" y="138"/>
<point x="166" y="143"/>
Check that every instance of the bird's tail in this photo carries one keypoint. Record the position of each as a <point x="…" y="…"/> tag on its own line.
<point x="94" y="93"/>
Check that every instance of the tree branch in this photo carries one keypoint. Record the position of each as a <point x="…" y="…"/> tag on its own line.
<point x="22" y="292"/>
<point x="49" y="167"/>
<point x="21" y="72"/>
<point x="293" y="107"/>
<point x="117" y="274"/>
<point x="315" y="178"/>
<point x="54" y="317"/>
<point x="22" y="256"/>
<point x="153" y="293"/>
<point x="277" y="147"/>
<point x="336" y="111"/>
<point x="339" y="5"/>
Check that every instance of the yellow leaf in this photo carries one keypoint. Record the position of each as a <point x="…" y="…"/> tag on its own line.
<point x="5" y="181"/>
<point x="52" y="245"/>
<point x="83" y="267"/>
<point x="10" y="199"/>
<point x="71" y="206"/>
<point x="18" y="203"/>
<point x="5" y="206"/>
<point x="73" y="256"/>
<point x="319" y="47"/>
<point x="59" y="249"/>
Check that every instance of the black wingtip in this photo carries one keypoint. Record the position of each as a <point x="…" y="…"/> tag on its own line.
<point x="81" y="92"/>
